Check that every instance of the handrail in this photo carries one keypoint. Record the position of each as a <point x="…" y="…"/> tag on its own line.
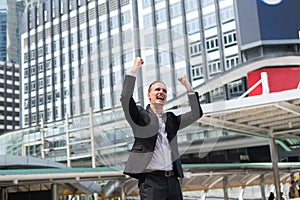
<point x="263" y="81"/>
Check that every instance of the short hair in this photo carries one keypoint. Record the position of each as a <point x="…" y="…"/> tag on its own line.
<point x="292" y="182"/>
<point x="149" y="89"/>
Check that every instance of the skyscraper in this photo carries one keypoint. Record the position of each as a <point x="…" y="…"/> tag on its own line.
<point x="75" y="53"/>
<point x="10" y="12"/>
<point x="3" y="27"/>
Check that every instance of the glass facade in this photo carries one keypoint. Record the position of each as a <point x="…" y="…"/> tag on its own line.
<point x="75" y="54"/>
<point x="83" y="51"/>
<point x="3" y="21"/>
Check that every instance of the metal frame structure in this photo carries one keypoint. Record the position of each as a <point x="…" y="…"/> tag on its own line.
<point x="197" y="177"/>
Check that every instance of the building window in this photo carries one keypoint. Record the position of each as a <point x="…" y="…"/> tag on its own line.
<point x="41" y="99"/>
<point x="92" y="85"/>
<point x="175" y="10"/>
<point x="114" y="22"/>
<point x="207" y="2"/>
<point x="214" y="67"/>
<point x="25" y="57"/>
<point x="190" y="5"/>
<point x="103" y="27"/>
<point x="33" y="102"/>
<point x="146" y="3"/>
<point x="62" y="7"/>
<point x="32" y="53"/>
<point x="25" y="103"/>
<point x="56" y="112"/>
<point x="147" y="20"/>
<point x="125" y="17"/>
<point x="33" y="117"/>
<point x="218" y="92"/>
<point x="41" y="83"/>
<point x="66" y="93"/>
<point x="229" y="39"/>
<point x="26" y="72"/>
<point x="103" y="100"/>
<point x="212" y="44"/>
<point x="33" y="70"/>
<point x="193" y="26"/>
<point x="197" y="72"/>
<point x="102" y="82"/>
<point x="209" y="21"/>
<point x="33" y="86"/>
<point x="231" y="62"/>
<point x="235" y="87"/>
<point x="41" y="67"/>
<point x="45" y="15"/>
<point x="195" y="48"/>
<point x="48" y="80"/>
<point x="40" y="52"/>
<point x="49" y="97"/>
<point x="227" y="14"/>
<point x="26" y="88"/>
<point x="160" y="16"/>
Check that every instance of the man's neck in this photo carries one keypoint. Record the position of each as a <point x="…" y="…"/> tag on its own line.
<point x="158" y="109"/>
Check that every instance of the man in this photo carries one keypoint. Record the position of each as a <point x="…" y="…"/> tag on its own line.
<point x="154" y="158"/>
<point x="293" y="193"/>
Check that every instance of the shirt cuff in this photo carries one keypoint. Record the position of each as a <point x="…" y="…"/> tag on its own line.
<point x="132" y="74"/>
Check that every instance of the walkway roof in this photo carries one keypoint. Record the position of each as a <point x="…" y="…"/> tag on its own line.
<point x="198" y="177"/>
<point x="23" y="171"/>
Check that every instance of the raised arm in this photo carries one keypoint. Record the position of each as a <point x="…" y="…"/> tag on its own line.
<point x="196" y="111"/>
<point x="138" y="62"/>
<point x="183" y="80"/>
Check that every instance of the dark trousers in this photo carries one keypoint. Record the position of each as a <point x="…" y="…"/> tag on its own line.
<point x="159" y="187"/>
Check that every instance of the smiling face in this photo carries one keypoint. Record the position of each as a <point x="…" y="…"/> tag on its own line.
<point x="157" y="93"/>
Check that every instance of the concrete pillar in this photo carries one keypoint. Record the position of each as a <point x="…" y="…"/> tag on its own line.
<point x="123" y="194"/>
<point x="54" y="192"/>
<point x="3" y="191"/>
<point x="203" y="195"/>
<point x="241" y="196"/>
<point x="262" y="187"/>
<point x="92" y="139"/>
<point x="274" y="156"/>
<point x="225" y="188"/>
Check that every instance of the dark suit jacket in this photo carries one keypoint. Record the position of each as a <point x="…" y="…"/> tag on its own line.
<point x="144" y="124"/>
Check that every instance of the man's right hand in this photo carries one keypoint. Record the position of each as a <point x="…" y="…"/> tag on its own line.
<point x="138" y="62"/>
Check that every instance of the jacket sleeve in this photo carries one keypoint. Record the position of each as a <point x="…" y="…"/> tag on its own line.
<point x="142" y="123"/>
<point x="196" y="111"/>
<point x="128" y="104"/>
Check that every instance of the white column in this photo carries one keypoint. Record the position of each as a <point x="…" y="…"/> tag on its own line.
<point x="42" y="138"/>
<point x="68" y="141"/>
<point x="54" y="192"/>
<point x="264" y="83"/>
<point x="203" y="195"/>
<point x="274" y="157"/>
<point x="241" y="196"/>
<point x="92" y="138"/>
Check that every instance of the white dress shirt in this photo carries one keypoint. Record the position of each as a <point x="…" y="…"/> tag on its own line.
<point x="162" y="159"/>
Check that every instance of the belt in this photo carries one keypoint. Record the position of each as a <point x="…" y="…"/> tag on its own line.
<point x="164" y="173"/>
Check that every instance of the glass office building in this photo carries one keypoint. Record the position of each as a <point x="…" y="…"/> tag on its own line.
<point x="10" y="12"/>
<point x="3" y="21"/>
<point x="75" y="54"/>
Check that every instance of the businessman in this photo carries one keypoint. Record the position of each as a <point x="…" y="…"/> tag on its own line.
<point x="154" y="158"/>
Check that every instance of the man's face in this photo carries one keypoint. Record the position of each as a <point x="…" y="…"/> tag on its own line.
<point x="158" y="94"/>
